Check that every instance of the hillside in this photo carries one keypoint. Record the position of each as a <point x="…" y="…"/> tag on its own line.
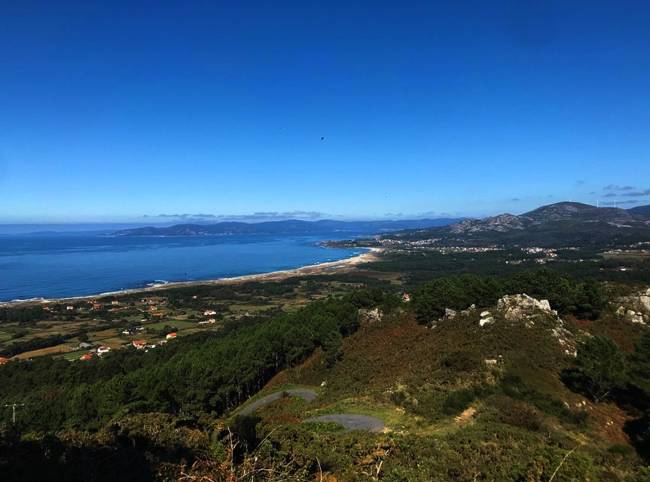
<point x="286" y="227"/>
<point x="641" y="211"/>
<point x="468" y="379"/>
<point x="560" y="224"/>
<point x="460" y="401"/>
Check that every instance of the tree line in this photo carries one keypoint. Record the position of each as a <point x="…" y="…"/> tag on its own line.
<point x="567" y="295"/>
<point x="201" y="374"/>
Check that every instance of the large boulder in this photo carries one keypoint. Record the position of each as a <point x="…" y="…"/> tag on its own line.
<point x="644" y="301"/>
<point x="486" y="319"/>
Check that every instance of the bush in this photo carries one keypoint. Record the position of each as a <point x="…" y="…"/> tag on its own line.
<point x="599" y="368"/>
<point x="514" y="387"/>
<point x="244" y="427"/>
<point x="518" y="414"/>
<point x="458" y="400"/>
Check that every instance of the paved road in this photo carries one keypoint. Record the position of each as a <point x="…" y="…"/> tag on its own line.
<point x="351" y="421"/>
<point x="304" y="393"/>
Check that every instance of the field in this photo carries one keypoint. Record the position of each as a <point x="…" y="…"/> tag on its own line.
<point x="117" y="321"/>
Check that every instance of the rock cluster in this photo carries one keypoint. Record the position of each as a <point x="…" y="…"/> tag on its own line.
<point x="635" y="308"/>
<point x="522" y="306"/>
<point x="368" y="317"/>
<point x="528" y="310"/>
<point x="486" y="319"/>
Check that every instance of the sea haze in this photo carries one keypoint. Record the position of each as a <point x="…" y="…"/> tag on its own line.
<point x="76" y="264"/>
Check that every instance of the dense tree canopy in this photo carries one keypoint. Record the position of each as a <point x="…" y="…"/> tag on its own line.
<point x="568" y="296"/>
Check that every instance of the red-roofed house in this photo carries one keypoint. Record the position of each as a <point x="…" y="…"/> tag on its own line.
<point x="139" y="344"/>
<point x="171" y="336"/>
<point x="86" y="357"/>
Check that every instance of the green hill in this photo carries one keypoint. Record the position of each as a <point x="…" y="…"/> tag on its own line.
<point x="362" y="386"/>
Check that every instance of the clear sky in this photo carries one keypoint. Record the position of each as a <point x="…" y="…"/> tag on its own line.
<point x="110" y="111"/>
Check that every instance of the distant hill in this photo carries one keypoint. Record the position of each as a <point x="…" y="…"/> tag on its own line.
<point x="287" y="227"/>
<point x="641" y="211"/>
<point x="564" y="223"/>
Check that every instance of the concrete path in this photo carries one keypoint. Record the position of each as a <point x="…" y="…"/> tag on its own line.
<point x="351" y="421"/>
<point x="304" y="393"/>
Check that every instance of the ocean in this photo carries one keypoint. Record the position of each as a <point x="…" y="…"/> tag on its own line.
<point x="51" y="265"/>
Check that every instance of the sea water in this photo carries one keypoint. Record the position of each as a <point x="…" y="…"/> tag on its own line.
<point x="51" y="265"/>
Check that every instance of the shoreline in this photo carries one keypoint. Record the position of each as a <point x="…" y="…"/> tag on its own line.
<point x="312" y="269"/>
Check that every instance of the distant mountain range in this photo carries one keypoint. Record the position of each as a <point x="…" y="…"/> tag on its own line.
<point x="296" y="227"/>
<point x="560" y="224"/>
<point x="564" y="223"/>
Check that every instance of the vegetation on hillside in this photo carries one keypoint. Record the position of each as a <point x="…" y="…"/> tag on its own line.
<point x="460" y="402"/>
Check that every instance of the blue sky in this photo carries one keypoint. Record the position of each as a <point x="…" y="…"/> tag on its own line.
<point x="112" y="111"/>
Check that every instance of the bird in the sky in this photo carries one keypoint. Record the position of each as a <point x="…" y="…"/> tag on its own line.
<point x="322" y="138"/>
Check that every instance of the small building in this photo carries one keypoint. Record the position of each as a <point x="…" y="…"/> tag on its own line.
<point x="406" y="297"/>
<point x="171" y="336"/>
<point x="209" y="313"/>
<point x="86" y="357"/>
<point x="3" y="360"/>
<point x="139" y="344"/>
<point x="69" y="308"/>
<point x="84" y="345"/>
<point x="115" y="303"/>
<point x="96" y="305"/>
<point x="211" y="321"/>
<point x="103" y="350"/>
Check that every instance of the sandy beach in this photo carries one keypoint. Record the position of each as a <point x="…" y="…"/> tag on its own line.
<point x="340" y="266"/>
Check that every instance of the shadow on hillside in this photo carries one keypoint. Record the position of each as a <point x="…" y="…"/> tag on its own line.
<point x="51" y="460"/>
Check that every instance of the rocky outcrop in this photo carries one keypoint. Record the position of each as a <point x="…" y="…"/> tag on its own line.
<point x="368" y="317"/>
<point x="521" y="308"/>
<point x="635" y="308"/>
<point x="524" y="307"/>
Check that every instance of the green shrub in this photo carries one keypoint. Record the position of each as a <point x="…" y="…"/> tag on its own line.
<point x="458" y="400"/>
<point x="599" y="368"/>
<point x="518" y="414"/>
<point x="514" y="387"/>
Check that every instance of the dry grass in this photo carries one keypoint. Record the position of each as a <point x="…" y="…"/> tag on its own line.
<point x="51" y="350"/>
<point x="251" y="468"/>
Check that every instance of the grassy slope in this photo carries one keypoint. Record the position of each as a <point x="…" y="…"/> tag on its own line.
<point x="417" y="380"/>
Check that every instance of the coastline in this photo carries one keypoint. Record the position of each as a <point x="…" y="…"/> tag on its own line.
<point x="341" y="265"/>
